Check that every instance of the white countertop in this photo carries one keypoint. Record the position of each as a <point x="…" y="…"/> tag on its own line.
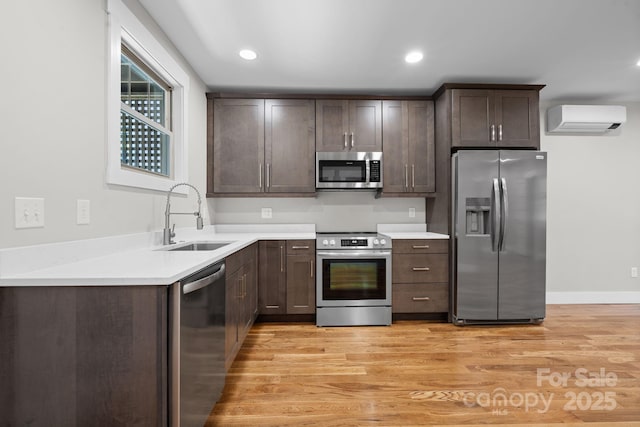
<point x="139" y="264"/>
<point x="145" y="261"/>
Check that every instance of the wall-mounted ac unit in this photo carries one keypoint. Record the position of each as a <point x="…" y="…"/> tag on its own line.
<point x="585" y="118"/>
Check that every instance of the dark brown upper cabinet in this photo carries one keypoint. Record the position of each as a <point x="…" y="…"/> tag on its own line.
<point x="261" y="147"/>
<point x="409" y="148"/>
<point x="348" y="125"/>
<point x="495" y="117"/>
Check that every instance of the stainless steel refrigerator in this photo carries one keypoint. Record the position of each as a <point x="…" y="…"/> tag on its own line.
<point x="499" y="236"/>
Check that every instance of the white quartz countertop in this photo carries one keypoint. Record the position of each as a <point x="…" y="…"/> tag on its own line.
<point x="143" y="265"/>
<point x="415" y="235"/>
<point x="141" y="259"/>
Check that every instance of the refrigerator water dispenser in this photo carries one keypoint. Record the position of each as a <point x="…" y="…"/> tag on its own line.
<point x="477" y="211"/>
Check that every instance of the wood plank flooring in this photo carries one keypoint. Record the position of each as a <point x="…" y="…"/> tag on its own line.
<point x="582" y="365"/>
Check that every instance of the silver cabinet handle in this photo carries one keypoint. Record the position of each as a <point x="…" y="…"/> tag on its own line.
<point x="421" y="269"/>
<point x="352" y="140"/>
<point x="421" y="298"/>
<point x="311" y="269"/>
<point x="272" y="306"/>
<point x="493" y="132"/>
<point x="260" y="175"/>
<point x="499" y="132"/>
<point x="281" y="258"/>
<point x="300" y="247"/>
<point x="406" y="176"/>
<point x="345" y="141"/>
<point x="267" y="176"/>
<point x="420" y="246"/>
<point x="413" y="176"/>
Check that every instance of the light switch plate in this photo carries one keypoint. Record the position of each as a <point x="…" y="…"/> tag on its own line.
<point x="267" y="213"/>
<point x="29" y="212"/>
<point x="83" y="212"/>
<point x="412" y="212"/>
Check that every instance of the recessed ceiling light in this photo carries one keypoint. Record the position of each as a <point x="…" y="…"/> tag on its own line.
<point x="248" y="54"/>
<point x="413" y="57"/>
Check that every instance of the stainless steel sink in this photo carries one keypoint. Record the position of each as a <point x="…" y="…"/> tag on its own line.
<point x="198" y="246"/>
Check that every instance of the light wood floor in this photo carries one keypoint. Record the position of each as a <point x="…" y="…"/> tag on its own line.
<point x="421" y="373"/>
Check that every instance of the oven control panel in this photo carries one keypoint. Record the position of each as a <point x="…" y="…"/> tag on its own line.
<point x="374" y="241"/>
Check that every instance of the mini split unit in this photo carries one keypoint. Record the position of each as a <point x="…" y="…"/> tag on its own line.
<point x="585" y="118"/>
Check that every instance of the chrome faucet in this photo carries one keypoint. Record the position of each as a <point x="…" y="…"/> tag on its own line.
<point x="169" y="233"/>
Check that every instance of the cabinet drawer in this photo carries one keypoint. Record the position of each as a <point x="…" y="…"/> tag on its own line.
<point x="420" y="298"/>
<point x="301" y="247"/>
<point x="420" y="246"/>
<point x="420" y="268"/>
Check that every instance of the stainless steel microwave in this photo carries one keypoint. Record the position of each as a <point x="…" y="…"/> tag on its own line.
<point x="348" y="170"/>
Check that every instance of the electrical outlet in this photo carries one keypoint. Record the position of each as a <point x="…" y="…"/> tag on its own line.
<point x="83" y="212"/>
<point x="412" y="212"/>
<point x="29" y="212"/>
<point x="267" y="213"/>
<point x="634" y="271"/>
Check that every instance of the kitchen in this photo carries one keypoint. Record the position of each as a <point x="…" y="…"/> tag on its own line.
<point x="600" y="185"/>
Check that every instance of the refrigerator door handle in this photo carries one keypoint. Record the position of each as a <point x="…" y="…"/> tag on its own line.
<point x="504" y="214"/>
<point x="496" y="214"/>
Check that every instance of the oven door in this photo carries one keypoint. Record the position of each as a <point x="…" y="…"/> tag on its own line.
<point x="353" y="278"/>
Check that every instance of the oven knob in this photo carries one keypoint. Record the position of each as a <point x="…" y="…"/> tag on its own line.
<point x="325" y="242"/>
<point x="332" y="242"/>
<point x="383" y="241"/>
<point x="376" y="242"/>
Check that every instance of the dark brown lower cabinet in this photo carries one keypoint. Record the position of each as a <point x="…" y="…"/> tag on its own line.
<point x="80" y="356"/>
<point x="287" y="282"/>
<point x="241" y="299"/>
<point x="420" y="270"/>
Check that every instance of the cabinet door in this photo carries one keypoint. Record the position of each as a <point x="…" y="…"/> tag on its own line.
<point x="301" y="282"/>
<point x="238" y="145"/>
<point x="232" y="297"/>
<point x="250" y="289"/>
<point x="517" y="118"/>
<point x="301" y="295"/>
<point x="290" y="146"/>
<point x="472" y="117"/>
<point x="272" y="291"/>
<point x="332" y="122"/>
<point x="422" y="170"/>
<point x="396" y="147"/>
<point x="365" y="125"/>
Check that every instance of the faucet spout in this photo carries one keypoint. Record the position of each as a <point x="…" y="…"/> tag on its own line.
<point x="169" y="234"/>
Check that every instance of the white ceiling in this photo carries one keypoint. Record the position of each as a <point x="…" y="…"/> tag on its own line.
<point x="583" y="50"/>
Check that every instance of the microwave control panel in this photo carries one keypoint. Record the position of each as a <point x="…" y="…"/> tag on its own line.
<point x="374" y="172"/>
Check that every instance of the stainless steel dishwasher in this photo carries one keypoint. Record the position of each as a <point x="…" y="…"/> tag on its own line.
<point x="197" y="357"/>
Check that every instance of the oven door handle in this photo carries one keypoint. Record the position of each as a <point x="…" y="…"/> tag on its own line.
<point x="354" y="254"/>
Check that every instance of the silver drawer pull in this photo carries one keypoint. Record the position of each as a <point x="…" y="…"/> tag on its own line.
<point x="299" y="247"/>
<point x="421" y="268"/>
<point x="420" y="246"/>
<point x="272" y="306"/>
<point x="421" y="298"/>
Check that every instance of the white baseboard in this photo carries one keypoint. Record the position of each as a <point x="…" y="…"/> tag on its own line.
<point x="593" y="297"/>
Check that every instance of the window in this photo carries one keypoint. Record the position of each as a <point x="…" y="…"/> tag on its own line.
<point x="147" y="99"/>
<point x="145" y="117"/>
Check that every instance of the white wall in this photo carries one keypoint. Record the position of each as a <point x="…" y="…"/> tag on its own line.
<point x="330" y="211"/>
<point x="593" y="234"/>
<point x="53" y="113"/>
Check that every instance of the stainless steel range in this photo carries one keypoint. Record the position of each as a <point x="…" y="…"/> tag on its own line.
<point x="353" y="285"/>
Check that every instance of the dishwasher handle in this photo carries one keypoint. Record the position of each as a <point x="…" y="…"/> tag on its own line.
<point x="205" y="281"/>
